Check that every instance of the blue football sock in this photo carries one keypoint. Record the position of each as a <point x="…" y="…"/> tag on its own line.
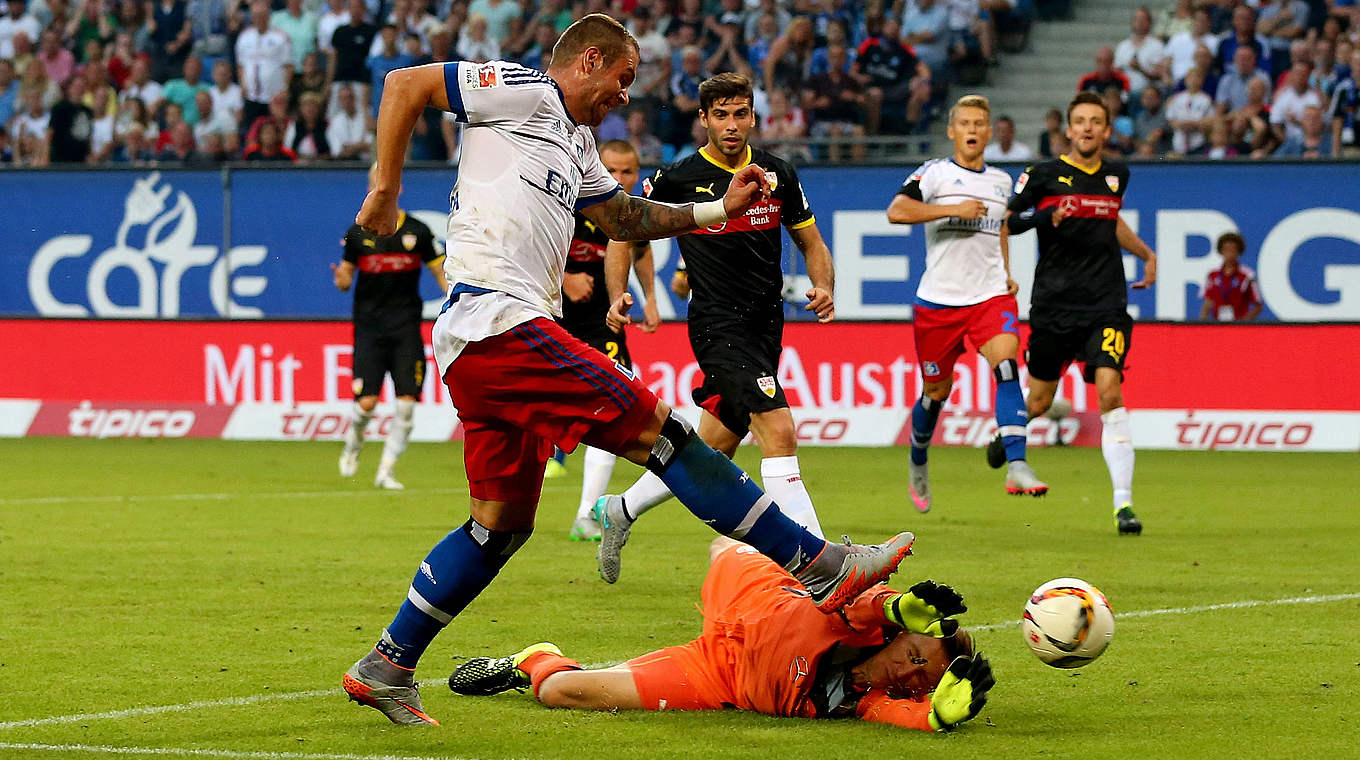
<point x="730" y="502"/>
<point x="559" y="456"/>
<point x="923" y="418"/>
<point x="452" y="575"/>
<point x="1011" y="418"/>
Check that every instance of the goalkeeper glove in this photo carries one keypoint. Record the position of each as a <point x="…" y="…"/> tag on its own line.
<point x="925" y="608"/>
<point x="961" y="693"/>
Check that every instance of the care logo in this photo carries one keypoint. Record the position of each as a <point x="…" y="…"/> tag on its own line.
<point x="154" y="245"/>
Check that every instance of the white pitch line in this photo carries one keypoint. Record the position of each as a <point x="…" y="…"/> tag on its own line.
<point x="141" y="498"/>
<point x="288" y="696"/>
<point x="224" y="753"/>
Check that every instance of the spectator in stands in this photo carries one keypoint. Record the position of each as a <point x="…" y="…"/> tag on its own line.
<point x="474" y="44"/>
<point x="214" y="122"/>
<point x="730" y="52"/>
<point x="278" y="115"/>
<point x="763" y="8"/>
<point x="174" y="115"/>
<point x="1281" y="22"/>
<point x="1204" y="64"/>
<point x="1140" y="55"/>
<point x="837" y="33"/>
<point x="502" y="18"/>
<point x="226" y="94"/>
<point x="184" y="90"/>
<point x="310" y="79"/>
<point x="836" y="100"/>
<point x="57" y="61"/>
<point x="896" y="78"/>
<point x="9" y="91"/>
<point x="649" y="88"/>
<point x="269" y="147"/>
<point x="1176" y="19"/>
<point x="1180" y="49"/>
<point x="335" y="16"/>
<point x="1151" y="130"/>
<point x="1243" y="34"/>
<point x="790" y="57"/>
<point x="171" y="37"/>
<point x="389" y="58"/>
<point x="698" y="138"/>
<point x="1344" y="108"/>
<point x="539" y="54"/>
<point x="70" y="126"/>
<point x="102" y="144"/>
<point x="300" y="25"/>
<point x="925" y="27"/>
<point x="140" y="85"/>
<point x="1310" y="140"/>
<point x="31" y="130"/>
<point x="758" y="44"/>
<point x="1248" y="127"/>
<point x="17" y="21"/>
<point x="1105" y="74"/>
<point x="264" y="62"/>
<point x="1232" y="86"/>
<point x="209" y="25"/>
<point x="1005" y="147"/>
<point x="135" y="147"/>
<point x="6" y="147"/>
<point x="783" y="128"/>
<point x="130" y="112"/>
<point x="94" y="24"/>
<point x="1190" y="114"/>
<point x="639" y="135"/>
<point x="1120" y="142"/>
<point x="966" y="43"/>
<point x="179" y="148"/>
<point x="306" y="135"/>
<point x="121" y="59"/>
<point x="1230" y="293"/>
<point x="351" y="42"/>
<point x="1299" y="52"/>
<point x="348" y="131"/>
<point x="685" y="82"/>
<point x="1286" y="111"/>
<point x="1053" y="140"/>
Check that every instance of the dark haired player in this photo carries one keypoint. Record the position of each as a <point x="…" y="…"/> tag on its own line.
<point x="736" y="311"/>
<point x="1079" y="309"/>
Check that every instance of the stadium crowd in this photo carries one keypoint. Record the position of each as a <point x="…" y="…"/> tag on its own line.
<point x="1232" y="78"/>
<point x="202" y="81"/>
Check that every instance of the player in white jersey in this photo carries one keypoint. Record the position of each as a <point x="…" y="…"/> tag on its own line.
<point x="966" y="291"/>
<point x="520" y="382"/>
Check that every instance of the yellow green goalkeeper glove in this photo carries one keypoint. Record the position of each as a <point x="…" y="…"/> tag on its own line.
<point x="961" y="693"/>
<point x="926" y="608"/>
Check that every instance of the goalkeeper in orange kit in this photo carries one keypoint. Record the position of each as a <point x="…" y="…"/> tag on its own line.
<point x="888" y="657"/>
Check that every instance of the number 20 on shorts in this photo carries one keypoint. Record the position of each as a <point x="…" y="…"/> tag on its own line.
<point x="1113" y="342"/>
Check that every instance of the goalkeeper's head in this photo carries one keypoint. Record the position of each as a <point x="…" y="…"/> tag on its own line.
<point x="912" y="664"/>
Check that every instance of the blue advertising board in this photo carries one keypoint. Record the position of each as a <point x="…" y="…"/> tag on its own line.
<point x="257" y="243"/>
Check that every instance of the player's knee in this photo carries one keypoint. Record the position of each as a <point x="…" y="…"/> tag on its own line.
<point x="497" y="546"/>
<point x="675" y="435"/>
<point x="1006" y="371"/>
<point x="938" y="390"/>
<point x="1110" y="399"/>
<point x="367" y="403"/>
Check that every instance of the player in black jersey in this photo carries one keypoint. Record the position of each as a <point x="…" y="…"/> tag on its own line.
<point x="736" y="311"/>
<point x="585" y="301"/>
<point x="387" y="338"/>
<point x="1079" y="309"/>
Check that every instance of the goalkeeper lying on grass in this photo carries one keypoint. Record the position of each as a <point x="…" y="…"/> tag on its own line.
<point x="887" y="657"/>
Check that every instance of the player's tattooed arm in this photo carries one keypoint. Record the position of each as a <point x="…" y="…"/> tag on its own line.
<point x="627" y="217"/>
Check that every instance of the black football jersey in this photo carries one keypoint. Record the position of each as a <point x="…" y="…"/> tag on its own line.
<point x="735" y="268"/>
<point x="387" y="286"/>
<point x="586" y="254"/>
<point x="1080" y="264"/>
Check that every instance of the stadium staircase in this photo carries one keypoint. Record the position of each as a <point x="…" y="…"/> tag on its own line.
<point x="1045" y="74"/>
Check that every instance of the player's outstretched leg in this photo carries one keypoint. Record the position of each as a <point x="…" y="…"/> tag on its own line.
<point x="724" y="497"/>
<point x="484" y="676"/>
<point x="354" y="440"/>
<point x="452" y="575"/>
<point x="595" y="472"/>
<point x="1011" y="417"/>
<point x="924" y="415"/>
<point x="397" y="437"/>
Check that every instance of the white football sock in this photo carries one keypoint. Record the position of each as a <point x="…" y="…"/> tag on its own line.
<point x="1116" y="442"/>
<point x="647" y="492"/>
<point x="397" y="435"/>
<point x="599" y="465"/>
<point x="358" y="423"/>
<point x="784" y="483"/>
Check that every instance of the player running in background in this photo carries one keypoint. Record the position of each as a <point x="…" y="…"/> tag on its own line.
<point x="585" y="301"/>
<point x="888" y="658"/>
<point x="519" y="381"/>
<point x="1079" y="309"/>
<point x="736" y="311"/>
<point x="387" y="339"/>
<point x="966" y="290"/>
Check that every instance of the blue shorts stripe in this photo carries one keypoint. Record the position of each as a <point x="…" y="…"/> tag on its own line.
<point x="602" y="379"/>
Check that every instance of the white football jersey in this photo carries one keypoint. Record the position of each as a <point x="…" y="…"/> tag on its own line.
<point x="526" y="167"/>
<point x="963" y="256"/>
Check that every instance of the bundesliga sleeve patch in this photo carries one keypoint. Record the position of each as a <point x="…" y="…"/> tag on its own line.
<point x="647" y="187"/>
<point x="1021" y="182"/>
<point x="481" y="78"/>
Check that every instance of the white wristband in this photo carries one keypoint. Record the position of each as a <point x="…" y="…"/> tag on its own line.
<point x="709" y="213"/>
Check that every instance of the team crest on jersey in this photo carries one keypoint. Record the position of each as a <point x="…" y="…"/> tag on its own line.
<point x="767" y="385"/>
<point x="773" y="179"/>
<point x="408" y="240"/>
<point x="1021" y="182"/>
<point x="930" y="368"/>
<point x="647" y="187"/>
<point x="1112" y="182"/>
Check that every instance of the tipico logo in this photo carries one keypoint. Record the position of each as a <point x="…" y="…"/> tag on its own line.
<point x="158" y="265"/>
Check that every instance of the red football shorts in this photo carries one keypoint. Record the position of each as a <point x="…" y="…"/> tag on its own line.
<point x="535" y="385"/>
<point x="940" y="332"/>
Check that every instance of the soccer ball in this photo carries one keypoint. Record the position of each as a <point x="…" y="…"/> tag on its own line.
<point x="1067" y="623"/>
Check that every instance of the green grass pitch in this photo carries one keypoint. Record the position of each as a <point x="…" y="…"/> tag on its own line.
<point x="225" y="586"/>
